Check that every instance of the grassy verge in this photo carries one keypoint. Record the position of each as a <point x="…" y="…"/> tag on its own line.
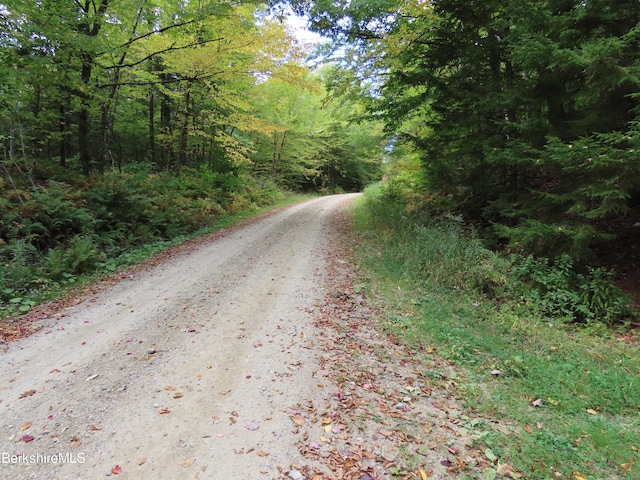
<point x="550" y="399"/>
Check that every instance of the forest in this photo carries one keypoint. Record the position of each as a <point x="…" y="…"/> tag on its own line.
<point x="124" y="123"/>
<point x="518" y="120"/>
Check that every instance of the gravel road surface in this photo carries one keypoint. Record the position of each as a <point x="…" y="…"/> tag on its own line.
<point x="185" y="370"/>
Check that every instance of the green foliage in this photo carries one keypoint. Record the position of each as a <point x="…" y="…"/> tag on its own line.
<point x="311" y="139"/>
<point x="557" y="289"/>
<point x="587" y="384"/>
<point x="79" y="256"/>
<point x="53" y="235"/>
<point x="524" y="115"/>
<point x="434" y="253"/>
<point x="175" y="87"/>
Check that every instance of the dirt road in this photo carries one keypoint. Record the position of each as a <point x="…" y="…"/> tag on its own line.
<point x="253" y="355"/>
<point x="186" y="370"/>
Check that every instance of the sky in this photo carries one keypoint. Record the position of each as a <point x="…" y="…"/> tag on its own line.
<point x="298" y="25"/>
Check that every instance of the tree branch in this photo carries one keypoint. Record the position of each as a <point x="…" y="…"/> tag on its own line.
<point x="154" y="32"/>
<point x="165" y="50"/>
<point x="161" y="82"/>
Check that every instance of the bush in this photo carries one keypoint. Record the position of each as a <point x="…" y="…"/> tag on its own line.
<point x="559" y="289"/>
<point x="80" y="256"/>
<point x="52" y="231"/>
<point x="52" y="215"/>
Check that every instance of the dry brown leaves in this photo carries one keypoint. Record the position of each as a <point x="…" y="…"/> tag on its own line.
<point x="380" y="418"/>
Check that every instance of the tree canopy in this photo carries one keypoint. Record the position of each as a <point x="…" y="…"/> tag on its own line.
<point x="525" y="114"/>
<point x="99" y="84"/>
<point x="521" y="116"/>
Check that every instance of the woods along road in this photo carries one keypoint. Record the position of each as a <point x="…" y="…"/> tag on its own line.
<point x="215" y="363"/>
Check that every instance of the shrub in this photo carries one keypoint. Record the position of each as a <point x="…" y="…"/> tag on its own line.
<point x="52" y="215"/>
<point x="560" y="289"/>
<point x="80" y="256"/>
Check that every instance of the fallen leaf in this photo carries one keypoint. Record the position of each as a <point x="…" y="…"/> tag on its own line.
<point x="93" y="377"/>
<point x="116" y="470"/>
<point x="578" y="476"/>
<point x="508" y="471"/>
<point x="496" y="372"/>
<point x="592" y="411"/>
<point x="55" y="370"/>
<point x="298" y="420"/>
<point x="262" y="453"/>
<point x="27" y="438"/>
<point x="490" y="474"/>
<point x="187" y="462"/>
<point x="490" y="455"/>
<point x="528" y="429"/>
<point x="28" y="393"/>
<point x="224" y="392"/>
<point x="169" y="388"/>
<point x="536" y="403"/>
<point x="25" y="426"/>
<point x="177" y="395"/>
<point x="94" y="427"/>
<point x="141" y="461"/>
<point x="422" y="473"/>
<point x="162" y="411"/>
<point x="252" y="426"/>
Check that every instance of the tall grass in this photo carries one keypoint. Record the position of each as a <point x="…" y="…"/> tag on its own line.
<point x="444" y="290"/>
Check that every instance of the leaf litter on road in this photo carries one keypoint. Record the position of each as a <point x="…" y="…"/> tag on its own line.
<point x="381" y="417"/>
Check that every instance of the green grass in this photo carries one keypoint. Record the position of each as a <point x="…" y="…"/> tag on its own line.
<point x="440" y="291"/>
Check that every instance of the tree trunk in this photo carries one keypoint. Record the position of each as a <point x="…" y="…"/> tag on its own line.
<point x="89" y="29"/>
<point x="83" y="120"/>
<point x="152" y="129"/>
<point x="63" y="128"/>
<point x="165" y="130"/>
<point x="182" y="154"/>
<point x="278" y="147"/>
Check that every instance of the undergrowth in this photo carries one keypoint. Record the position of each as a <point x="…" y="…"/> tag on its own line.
<point x="541" y="347"/>
<point x="58" y="233"/>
